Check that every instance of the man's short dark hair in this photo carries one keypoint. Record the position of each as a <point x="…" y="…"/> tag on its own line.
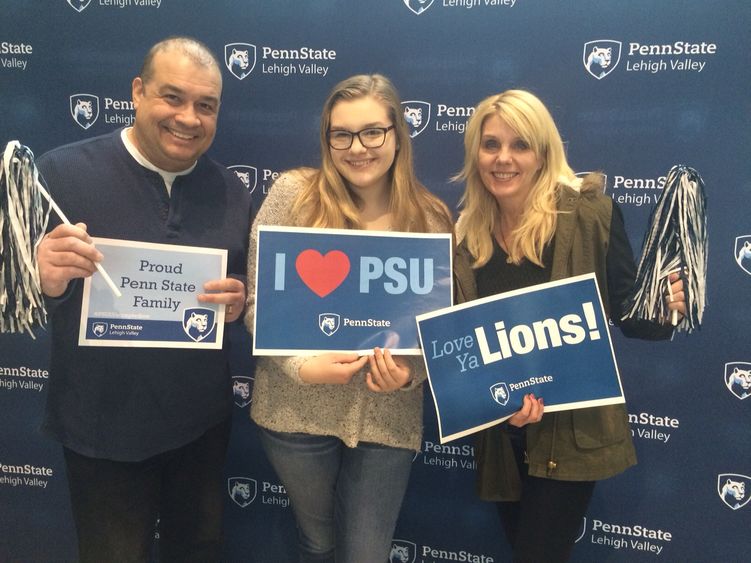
<point x="194" y="49"/>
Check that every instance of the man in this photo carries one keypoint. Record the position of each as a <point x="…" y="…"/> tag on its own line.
<point x="145" y="430"/>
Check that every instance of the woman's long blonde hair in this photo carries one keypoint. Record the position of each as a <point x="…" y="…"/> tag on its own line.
<point x="327" y="201"/>
<point x="531" y="120"/>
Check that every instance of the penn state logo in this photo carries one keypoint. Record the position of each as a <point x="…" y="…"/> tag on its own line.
<point x="417" y="116"/>
<point x="500" y="394"/>
<point x="240" y="59"/>
<point x="198" y="322"/>
<point x="242" y="490"/>
<point x="248" y="175"/>
<point x="79" y="5"/>
<point x="402" y="551"/>
<point x="601" y="57"/>
<point x="743" y="253"/>
<point x="603" y="176"/>
<point x="242" y="390"/>
<point x="582" y="531"/>
<point x="85" y="109"/>
<point x="328" y="323"/>
<point x="99" y="329"/>
<point x="733" y="489"/>
<point x="417" y="7"/>
<point x="738" y="379"/>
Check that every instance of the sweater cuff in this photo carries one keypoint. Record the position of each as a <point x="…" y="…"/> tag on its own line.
<point x="291" y="366"/>
<point x="52" y="303"/>
<point x="417" y="373"/>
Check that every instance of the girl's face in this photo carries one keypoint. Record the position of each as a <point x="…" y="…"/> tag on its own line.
<point x="361" y="167"/>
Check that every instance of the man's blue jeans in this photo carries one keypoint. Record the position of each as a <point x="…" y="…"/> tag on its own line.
<point x="346" y="500"/>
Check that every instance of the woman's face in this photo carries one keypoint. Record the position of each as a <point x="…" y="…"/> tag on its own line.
<point x="507" y="165"/>
<point x="363" y="168"/>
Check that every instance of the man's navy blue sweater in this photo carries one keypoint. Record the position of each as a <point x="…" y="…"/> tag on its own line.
<point x="128" y="404"/>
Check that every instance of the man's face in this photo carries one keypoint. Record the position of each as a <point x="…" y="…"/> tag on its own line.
<point x="176" y="111"/>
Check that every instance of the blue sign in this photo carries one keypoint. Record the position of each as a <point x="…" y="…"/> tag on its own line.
<point x="550" y="339"/>
<point x="321" y="290"/>
<point x="159" y="306"/>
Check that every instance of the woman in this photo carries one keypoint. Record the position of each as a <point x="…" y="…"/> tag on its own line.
<point x="341" y="430"/>
<point x="527" y="219"/>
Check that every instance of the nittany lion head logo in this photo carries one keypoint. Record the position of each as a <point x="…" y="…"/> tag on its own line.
<point x="248" y="175"/>
<point x="738" y="379"/>
<point x="85" y="109"/>
<point x="417" y="116"/>
<point x="402" y="551"/>
<point x="240" y="59"/>
<point x="743" y="253"/>
<point x="79" y="5"/>
<point x="198" y="322"/>
<point x="99" y="329"/>
<point x="601" y="57"/>
<point x="417" y="7"/>
<point x="732" y="488"/>
<point x="500" y="394"/>
<point x="328" y="323"/>
<point x="242" y="490"/>
<point x="242" y="390"/>
<point x="604" y="178"/>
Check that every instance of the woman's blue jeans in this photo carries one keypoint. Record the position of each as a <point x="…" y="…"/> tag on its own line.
<point x="346" y="500"/>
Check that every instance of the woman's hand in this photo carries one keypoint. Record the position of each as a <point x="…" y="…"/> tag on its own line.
<point x="530" y="412"/>
<point x="336" y="368"/>
<point x="386" y="372"/>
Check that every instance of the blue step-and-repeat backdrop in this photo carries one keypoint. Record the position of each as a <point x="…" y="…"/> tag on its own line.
<point x="635" y="88"/>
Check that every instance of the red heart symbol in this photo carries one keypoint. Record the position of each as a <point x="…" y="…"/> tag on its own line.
<point x="322" y="274"/>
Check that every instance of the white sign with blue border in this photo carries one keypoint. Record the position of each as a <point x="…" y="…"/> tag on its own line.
<point x="326" y="290"/>
<point x="550" y="339"/>
<point x="159" y="306"/>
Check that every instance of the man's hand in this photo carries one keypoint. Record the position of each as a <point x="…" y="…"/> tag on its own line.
<point x="65" y="253"/>
<point x="229" y="292"/>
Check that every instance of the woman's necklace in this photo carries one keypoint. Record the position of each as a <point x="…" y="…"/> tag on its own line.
<point x="505" y="244"/>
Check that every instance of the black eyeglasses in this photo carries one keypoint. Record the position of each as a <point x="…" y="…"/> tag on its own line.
<point x="370" y="137"/>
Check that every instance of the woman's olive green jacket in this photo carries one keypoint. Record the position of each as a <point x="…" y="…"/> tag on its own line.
<point x="579" y="445"/>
